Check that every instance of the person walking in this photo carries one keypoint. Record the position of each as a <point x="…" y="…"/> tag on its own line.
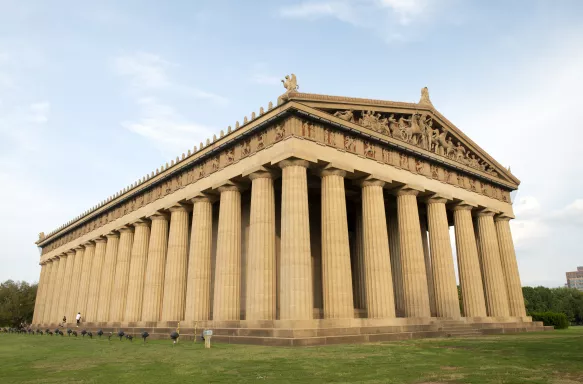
<point x="78" y="318"/>
<point x="64" y="321"/>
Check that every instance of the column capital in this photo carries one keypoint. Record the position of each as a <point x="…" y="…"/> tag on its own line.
<point x="486" y="212"/>
<point x="89" y="244"/>
<point x="70" y="252"/>
<point x="437" y="198"/>
<point x="203" y="198"/>
<point x="502" y="217"/>
<point x="141" y="223"/>
<point x="112" y="235"/>
<point x="464" y="206"/>
<point x="79" y="248"/>
<point x="332" y="171"/>
<point x="126" y="228"/>
<point x="179" y="207"/>
<point x="100" y="239"/>
<point x="158" y="215"/>
<point x="260" y="175"/>
<point x="407" y="190"/>
<point x="230" y="187"/>
<point x="294" y="163"/>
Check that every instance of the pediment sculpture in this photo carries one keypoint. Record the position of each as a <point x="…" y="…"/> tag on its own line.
<point x="420" y="130"/>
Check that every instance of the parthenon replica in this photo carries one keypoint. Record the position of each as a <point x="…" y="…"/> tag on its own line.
<point x="320" y="220"/>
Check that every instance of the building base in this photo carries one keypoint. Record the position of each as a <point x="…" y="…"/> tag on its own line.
<point x="318" y="332"/>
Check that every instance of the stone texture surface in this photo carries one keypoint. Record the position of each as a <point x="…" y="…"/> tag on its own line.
<point x="494" y="282"/>
<point x="428" y="262"/>
<point x="176" y="265"/>
<point x="78" y="260"/>
<point x="58" y="290"/>
<point x="137" y="271"/>
<point x="198" y="293"/>
<point x="395" y="251"/>
<point x="358" y="285"/>
<point x="227" y="300"/>
<point x="121" y="277"/>
<point x="376" y="263"/>
<point x="40" y="296"/>
<point x="86" y="274"/>
<point x="416" y="296"/>
<point x="510" y="267"/>
<point x="336" y="274"/>
<point x="46" y="314"/>
<point x="107" y="276"/>
<point x="260" y="294"/>
<point x="154" y="280"/>
<point x="468" y="263"/>
<point x="442" y="269"/>
<point x="296" y="290"/>
<point x="95" y="282"/>
<point x="65" y="288"/>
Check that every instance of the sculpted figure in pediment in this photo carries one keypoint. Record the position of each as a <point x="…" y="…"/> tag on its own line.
<point x="345" y="115"/>
<point x="393" y="125"/>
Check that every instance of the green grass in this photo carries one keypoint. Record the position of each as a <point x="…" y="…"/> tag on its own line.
<point x="550" y="357"/>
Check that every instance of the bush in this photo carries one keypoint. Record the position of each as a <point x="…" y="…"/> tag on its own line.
<point x="557" y="320"/>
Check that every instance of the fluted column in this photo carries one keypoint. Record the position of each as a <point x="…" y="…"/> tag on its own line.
<point x="95" y="281"/>
<point x="154" y="281"/>
<point x="176" y="265"/>
<point x="75" y="279"/>
<point x="50" y="314"/>
<point x="107" y="276"/>
<point x="260" y="294"/>
<point x="86" y="274"/>
<point x="40" y="291"/>
<point x="57" y="292"/>
<point x="494" y="283"/>
<point x="468" y="263"/>
<point x="442" y="269"/>
<point x="358" y="284"/>
<point x="198" y="290"/>
<point x="377" y="260"/>
<point x="296" y="289"/>
<point x="137" y="273"/>
<point x="65" y="289"/>
<point x="416" y="296"/>
<point x="227" y="300"/>
<point x="336" y="273"/>
<point x="428" y="260"/>
<point x="395" y="251"/>
<point x="509" y="266"/>
<point x="121" y="277"/>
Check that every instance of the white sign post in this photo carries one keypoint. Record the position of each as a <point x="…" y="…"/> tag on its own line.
<point x="207" y="333"/>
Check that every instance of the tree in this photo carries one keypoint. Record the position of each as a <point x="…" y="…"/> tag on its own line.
<point x="16" y="302"/>
<point x="563" y="300"/>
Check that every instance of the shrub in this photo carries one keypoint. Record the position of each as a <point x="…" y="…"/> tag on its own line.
<point x="557" y="320"/>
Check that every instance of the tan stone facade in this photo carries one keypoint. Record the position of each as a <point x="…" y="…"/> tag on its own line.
<point x="322" y="209"/>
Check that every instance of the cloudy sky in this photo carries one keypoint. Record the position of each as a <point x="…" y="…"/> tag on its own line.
<point x="94" y="95"/>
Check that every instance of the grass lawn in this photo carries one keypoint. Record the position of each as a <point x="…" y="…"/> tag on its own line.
<point x="550" y="357"/>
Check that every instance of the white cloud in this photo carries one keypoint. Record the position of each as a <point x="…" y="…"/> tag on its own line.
<point x="341" y="10"/>
<point x="39" y="112"/>
<point x="571" y="215"/>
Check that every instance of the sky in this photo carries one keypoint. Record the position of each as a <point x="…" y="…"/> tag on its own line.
<point x="94" y="95"/>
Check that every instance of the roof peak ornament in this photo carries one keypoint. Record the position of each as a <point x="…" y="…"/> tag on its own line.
<point x="290" y="83"/>
<point x="425" y="97"/>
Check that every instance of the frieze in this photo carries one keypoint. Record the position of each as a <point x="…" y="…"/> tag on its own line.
<point x="343" y="141"/>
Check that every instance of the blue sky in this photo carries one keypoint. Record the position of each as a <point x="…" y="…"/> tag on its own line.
<point x="94" y="95"/>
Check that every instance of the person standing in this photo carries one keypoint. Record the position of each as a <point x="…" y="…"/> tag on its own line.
<point x="78" y="318"/>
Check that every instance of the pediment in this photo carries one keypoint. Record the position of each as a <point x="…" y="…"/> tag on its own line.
<point x="417" y="124"/>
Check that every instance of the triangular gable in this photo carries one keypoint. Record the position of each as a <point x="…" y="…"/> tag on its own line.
<point x="417" y="124"/>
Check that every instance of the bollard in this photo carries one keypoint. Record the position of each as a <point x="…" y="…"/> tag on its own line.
<point x="207" y="333"/>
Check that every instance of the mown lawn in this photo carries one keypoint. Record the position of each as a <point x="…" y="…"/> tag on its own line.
<point x="550" y="357"/>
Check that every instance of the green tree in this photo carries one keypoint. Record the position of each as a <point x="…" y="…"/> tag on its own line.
<point x="562" y="300"/>
<point x="16" y="302"/>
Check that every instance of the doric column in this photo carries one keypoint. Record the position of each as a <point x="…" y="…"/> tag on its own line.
<point x="137" y="273"/>
<point x="95" y="281"/>
<point x="428" y="260"/>
<point x="442" y="269"/>
<point x="468" y="263"/>
<point x="260" y="294"/>
<point x="176" y="265"/>
<point x="336" y="274"/>
<point x="121" y="277"/>
<point x="227" y="300"/>
<point x="86" y="274"/>
<point x="494" y="283"/>
<point x="75" y="279"/>
<point x="40" y="293"/>
<point x="66" y="285"/>
<point x="416" y="296"/>
<point x="510" y="266"/>
<point x="358" y="284"/>
<point x="48" y="312"/>
<point x="198" y="290"/>
<point x="377" y="261"/>
<point x="106" y="285"/>
<point x="296" y="297"/>
<point x="154" y="281"/>
<point x="395" y="251"/>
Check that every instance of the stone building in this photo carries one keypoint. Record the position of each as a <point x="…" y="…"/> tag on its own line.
<point x="575" y="279"/>
<point x="322" y="219"/>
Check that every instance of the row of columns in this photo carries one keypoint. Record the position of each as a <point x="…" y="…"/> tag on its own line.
<point x="150" y="272"/>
